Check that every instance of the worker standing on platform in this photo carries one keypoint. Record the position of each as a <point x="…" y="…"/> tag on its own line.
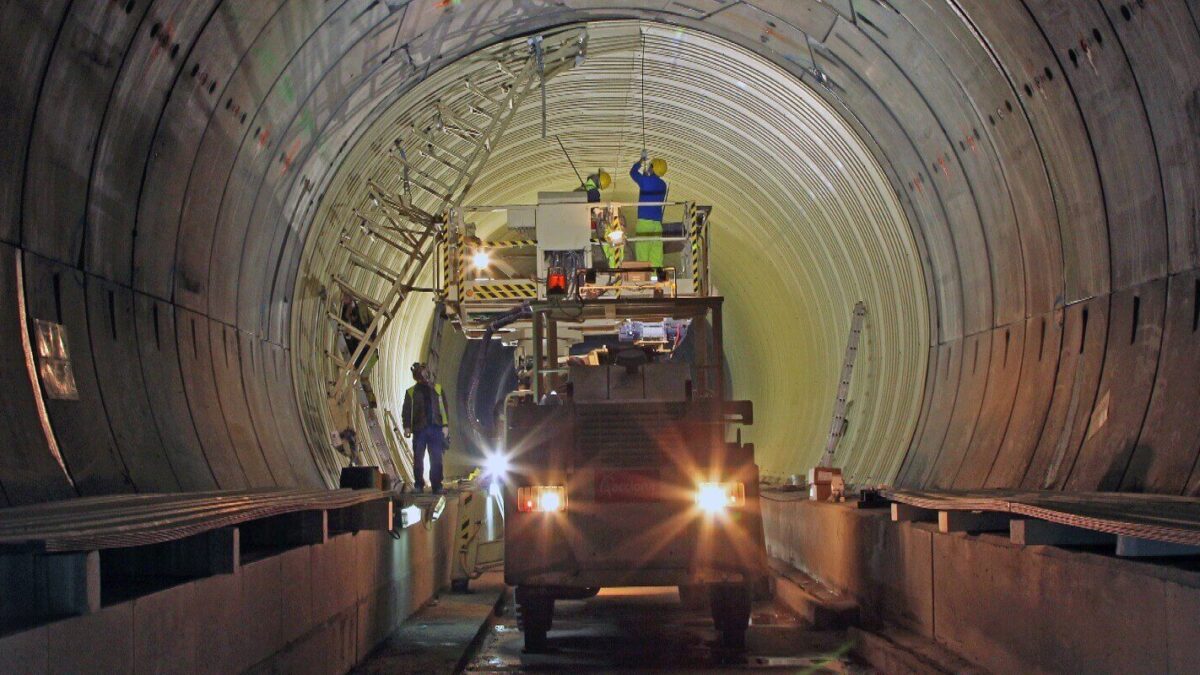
<point x="594" y="183"/>
<point x="649" y="223"/>
<point x="425" y="420"/>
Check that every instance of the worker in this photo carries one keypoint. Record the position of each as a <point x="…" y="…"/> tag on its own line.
<point x="649" y="223"/>
<point x="594" y="184"/>
<point x="614" y="239"/>
<point x="358" y="315"/>
<point x="425" y="420"/>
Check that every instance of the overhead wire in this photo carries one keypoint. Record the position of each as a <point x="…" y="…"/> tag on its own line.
<point x="642" y="81"/>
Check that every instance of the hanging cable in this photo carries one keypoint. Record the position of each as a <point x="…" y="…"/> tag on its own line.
<point x="642" y="80"/>
<point x="564" y="149"/>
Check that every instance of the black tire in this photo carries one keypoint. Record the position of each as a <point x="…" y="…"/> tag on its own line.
<point x="731" y="613"/>
<point x="535" y="641"/>
<point x="535" y="615"/>
<point x="460" y="585"/>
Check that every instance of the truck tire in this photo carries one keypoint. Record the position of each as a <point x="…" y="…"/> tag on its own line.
<point x="535" y="614"/>
<point x="731" y="613"/>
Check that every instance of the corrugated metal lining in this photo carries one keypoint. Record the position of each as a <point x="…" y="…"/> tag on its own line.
<point x="805" y="224"/>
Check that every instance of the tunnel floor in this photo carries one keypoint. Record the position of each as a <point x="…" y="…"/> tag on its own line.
<point x="648" y="630"/>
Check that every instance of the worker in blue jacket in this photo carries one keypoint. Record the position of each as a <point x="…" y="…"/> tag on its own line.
<point x="649" y="223"/>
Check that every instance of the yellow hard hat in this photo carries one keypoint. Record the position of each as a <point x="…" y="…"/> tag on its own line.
<point x="659" y="166"/>
<point x="604" y="179"/>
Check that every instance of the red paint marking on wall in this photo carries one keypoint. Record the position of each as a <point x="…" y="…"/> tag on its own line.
<point x="290" y="155"/>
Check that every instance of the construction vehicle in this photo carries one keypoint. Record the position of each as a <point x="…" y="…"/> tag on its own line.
<point x="623" y="470"/>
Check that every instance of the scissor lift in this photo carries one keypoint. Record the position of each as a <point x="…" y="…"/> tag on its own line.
<point x="585" y="247"/>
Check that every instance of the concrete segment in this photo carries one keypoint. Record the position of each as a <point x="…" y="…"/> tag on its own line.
<point x="440" y="636"/>
<point x="95" y="643"/>
<point x="892" y="582"/>
<point x="296" y="593"/>
<point x="25" y="652"/>
<point x="166" y="631"/>
<point x="1007" y="607"/>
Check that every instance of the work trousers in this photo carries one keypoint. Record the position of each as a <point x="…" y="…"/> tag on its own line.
<point x="649" y="251"/>
<point x="432" y="440"/>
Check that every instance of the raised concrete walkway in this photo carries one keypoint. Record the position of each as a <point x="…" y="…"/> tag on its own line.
<point x="440" y="637"/>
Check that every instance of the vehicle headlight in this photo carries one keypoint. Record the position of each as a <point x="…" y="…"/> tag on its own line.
<point x="542" y="499"/>
<point x="716" y="497"/>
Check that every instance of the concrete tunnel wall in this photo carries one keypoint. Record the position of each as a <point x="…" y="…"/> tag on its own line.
<point x="163" y="161"/>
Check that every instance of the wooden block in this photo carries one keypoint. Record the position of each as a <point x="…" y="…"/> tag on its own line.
<point x="907" y="513"/>
<point x="1133" y="547"/>
<point x="1030" y="532"/>
<point x="972" y="521"/>
<point x="823" y="474"/>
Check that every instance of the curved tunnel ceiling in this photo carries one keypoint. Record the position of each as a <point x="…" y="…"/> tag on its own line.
<point x="804" y="223"/>
<point x="165" y="158"/>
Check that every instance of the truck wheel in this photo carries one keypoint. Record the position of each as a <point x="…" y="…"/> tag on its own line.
<point x="731" y="613"/>
<point x="535" y="614"/>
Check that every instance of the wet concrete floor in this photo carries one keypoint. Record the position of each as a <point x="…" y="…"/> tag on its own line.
<point x="648" y="630"/>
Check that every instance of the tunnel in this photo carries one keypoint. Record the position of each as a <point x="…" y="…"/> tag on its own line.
<point x="1010" y="190"/>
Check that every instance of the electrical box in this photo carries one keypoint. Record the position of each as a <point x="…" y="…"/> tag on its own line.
<point x="521" y="217"/>
<point x="563" y="221"/>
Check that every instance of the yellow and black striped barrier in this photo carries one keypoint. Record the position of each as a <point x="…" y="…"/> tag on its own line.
<point x="508" y="243"/>
<point x="697" y="249"/>
<point x="516" y="290"/>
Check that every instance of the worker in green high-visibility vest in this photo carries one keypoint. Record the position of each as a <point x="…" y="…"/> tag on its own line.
<point x="425" y="420"/>
<point x="649" y="223"/>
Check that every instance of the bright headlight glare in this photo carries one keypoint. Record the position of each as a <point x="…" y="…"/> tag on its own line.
<point x="616" y="237"/>
<point x="542" y="499"/>
<point x="481" y="259"/>
<point x="716" y="497"/>
<point x="495" y="465"/>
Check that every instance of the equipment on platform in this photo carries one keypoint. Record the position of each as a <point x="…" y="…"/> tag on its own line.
<point x="480" y="537"/>
<point x="838" y="426"/>
<point x="363" y="478"/>
<point x="825" y="482"/>
<point x="564" y="247"/>
<point x="621" y="471"/>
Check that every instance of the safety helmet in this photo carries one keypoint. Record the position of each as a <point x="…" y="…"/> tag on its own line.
<point x="416" y="366"/>
<point x="659" y="166"/>
<point x="603" y="179"/>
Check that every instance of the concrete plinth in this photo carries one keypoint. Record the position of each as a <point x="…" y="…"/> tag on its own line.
<point x="1006" y="607"/>
<point x="317" y="608"/>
